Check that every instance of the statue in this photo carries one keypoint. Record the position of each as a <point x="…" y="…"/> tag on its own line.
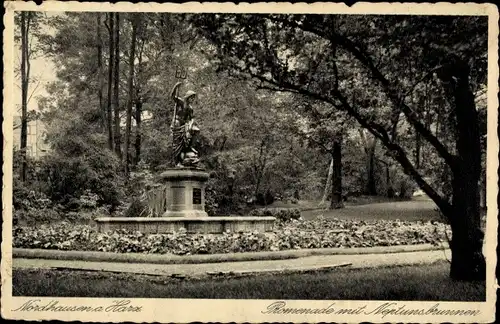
<point x="184" y="129"/>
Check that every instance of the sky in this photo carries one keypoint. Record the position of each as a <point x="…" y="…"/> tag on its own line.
<point x="42" y="73"/>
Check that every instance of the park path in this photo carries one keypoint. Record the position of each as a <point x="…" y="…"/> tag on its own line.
<point x="309" y="263"/>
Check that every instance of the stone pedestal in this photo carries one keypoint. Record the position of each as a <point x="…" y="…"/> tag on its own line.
<point x="185" y="192"/>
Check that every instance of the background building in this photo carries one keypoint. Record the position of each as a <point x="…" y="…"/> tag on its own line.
<point x="36" y="145"/>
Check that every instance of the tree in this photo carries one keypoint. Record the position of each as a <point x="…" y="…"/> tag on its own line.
<point x="327" y="132"/>
<point x="25" y="70"/>
<point x="255" y="151"/>
<point x="80" y="55"/>
<point x="328" y="184"/>
<point x="100" y="67"/>
<point x="246" y="135"/>
<point x="28" y="22"/>
<point x="109" y="105"/>
<point x="116" y="85"/>
<point x="139" y="102"/>
<point x="368" y="67"/>
<point x="135" y="20"/>
<point x="369" y="145"/>
<point x="337" y="201"/>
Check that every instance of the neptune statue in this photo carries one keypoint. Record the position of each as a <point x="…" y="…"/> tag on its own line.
<point x="184" y="129"/>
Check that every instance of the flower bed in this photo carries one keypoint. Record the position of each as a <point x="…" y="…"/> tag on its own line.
<point x="281" y="214"/>
<point x="297" y="234"/>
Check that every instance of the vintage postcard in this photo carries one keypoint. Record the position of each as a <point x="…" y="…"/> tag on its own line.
<point x="266" y="162"/>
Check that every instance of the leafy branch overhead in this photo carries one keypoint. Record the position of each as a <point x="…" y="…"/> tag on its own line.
<point x="388" y="73"/>
<point x="349" y="63"/>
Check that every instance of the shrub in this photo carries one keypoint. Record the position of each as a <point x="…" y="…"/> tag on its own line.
<point x="89" y="200"/>
<point x="264" y="199"/>
<point x="221" y="199"/>
<point x="72" y="204"/>
<point x="298" y="234"/>
<point x="21" y="195"/>
<point x="141" y="180"/>
<point x="34" y="216"/>
<point x="281" y="214"/>
<point x="94" y="176"/>
<point x="211" y="200"/>
<point x="26" y="199"/>
<point x="137" y="208"/>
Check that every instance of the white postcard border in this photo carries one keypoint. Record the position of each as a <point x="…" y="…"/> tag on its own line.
<point x="188" y="310"/>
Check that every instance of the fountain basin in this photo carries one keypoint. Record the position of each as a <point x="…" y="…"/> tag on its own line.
<point x="204" y="225"/>
<point x="184" y="201"/>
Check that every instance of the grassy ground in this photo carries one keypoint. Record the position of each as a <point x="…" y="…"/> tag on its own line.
<point x="425" y="282"/>
<point x="370" y="208"/>
<point x="352" y="201"/>
<point x="414" y="210"/>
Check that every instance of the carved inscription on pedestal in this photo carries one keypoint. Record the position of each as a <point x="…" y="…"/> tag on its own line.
<point x="196" y="196"/>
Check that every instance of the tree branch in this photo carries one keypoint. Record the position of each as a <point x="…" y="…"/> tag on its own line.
<point x="34" y="89"/>
<point x="399" y="155"/>
<point x="407" y="111"/>
<point x="377" y="130"/>
<point x="349" y="46"/>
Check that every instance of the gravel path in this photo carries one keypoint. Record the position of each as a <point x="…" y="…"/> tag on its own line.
<point x="200" y="270"/>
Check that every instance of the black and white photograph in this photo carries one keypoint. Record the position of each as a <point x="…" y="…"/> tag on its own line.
<point x="250" y="163"/>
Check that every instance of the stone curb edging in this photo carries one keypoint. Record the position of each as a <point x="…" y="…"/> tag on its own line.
<point x="212" y="258"/>
<point x="293" y="270"/>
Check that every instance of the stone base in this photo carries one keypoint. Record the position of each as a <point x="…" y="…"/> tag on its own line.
<point x="185" y="192"/>
<point x="206" y="225"/>
<point x="185" y="213"/>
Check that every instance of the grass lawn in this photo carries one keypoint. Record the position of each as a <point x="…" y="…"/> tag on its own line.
<point x="425" y="282"/>
<point x="412" y="210"/>
<point x="353" y="201"/>
<point x="370" y="208"/>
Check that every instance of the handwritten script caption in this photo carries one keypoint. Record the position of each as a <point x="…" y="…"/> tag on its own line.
<point x="383" y="310"/>
<point x="116" y="306"/>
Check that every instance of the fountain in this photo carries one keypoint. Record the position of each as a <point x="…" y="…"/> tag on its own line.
<point x="185" y="188"/>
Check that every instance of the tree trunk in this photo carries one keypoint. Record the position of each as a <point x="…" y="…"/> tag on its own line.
<point x="24" y="92"/>
<point x="116" y="81"/>
<point x="260" y="166"/>
<point x="390" y="189"/>
<point x="138" y="98"/>
<point x="468" y="262"/>
<point x="328" y="184"/>
<point x="138" y="139"/>
<point x="102" y="109"/>
<point x="371" y="187"/>
<point x="424" y="103"/>
<point x="337" y="201"/>
<point x="369" y="149"/>
<point x="403" y="189"/>
<point x="231" y="178"/>
<point x="130" y="99"/>
<point x="417" y="149"/>
<point x="111" y="62"/>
